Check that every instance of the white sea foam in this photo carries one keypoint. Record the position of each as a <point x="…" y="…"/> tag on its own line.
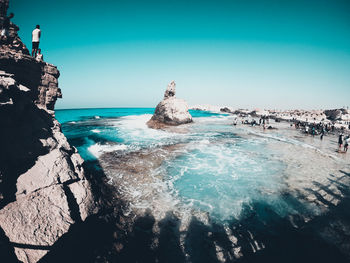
<point x="134" y="130"/>
<point x="214" y="118"/>
<point x="98" y="149"/>
<point x="96" y="130"/>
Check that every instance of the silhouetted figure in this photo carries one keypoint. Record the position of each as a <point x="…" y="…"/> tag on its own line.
<point x="346" y="144"/>
<point x="35" y="40"/>
<point x="340" y="141"/>
<point x="6" y="27"/>
<point x="322" y="134"/>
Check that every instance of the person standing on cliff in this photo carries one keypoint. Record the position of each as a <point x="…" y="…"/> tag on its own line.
<point x="35" y="40"/>
<point x="6" y="27"/>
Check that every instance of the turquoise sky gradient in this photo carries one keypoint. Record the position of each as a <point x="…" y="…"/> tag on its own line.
<point x="266" y="54"/>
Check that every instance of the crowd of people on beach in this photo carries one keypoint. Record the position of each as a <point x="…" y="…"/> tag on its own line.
<point x="264" y="121"/>
<point x="36" y="34"/>
<point x="321" y="129"/>
<point x="313" y="129"/>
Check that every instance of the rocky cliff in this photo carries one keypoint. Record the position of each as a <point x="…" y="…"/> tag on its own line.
<point x="171" y="110"/>
<point x="43" y="186"/>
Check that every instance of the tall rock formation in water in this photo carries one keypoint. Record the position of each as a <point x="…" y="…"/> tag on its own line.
<point x="43" y="187"/>
<point x="171" y="110"/>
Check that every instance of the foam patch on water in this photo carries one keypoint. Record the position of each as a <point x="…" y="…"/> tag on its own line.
<point x="134" y="130"/>
<point x="98" y="149"/>
<point x="95" y="131"/>
<point x="216" y="118"/>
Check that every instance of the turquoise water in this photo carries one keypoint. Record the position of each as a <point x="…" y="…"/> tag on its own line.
<point x="215" y="169"/>
<point x="216" y="191"/>
<point x="87" y="127"/>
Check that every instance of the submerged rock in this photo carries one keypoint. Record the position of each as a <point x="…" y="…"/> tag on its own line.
<point x="170" y="111"/>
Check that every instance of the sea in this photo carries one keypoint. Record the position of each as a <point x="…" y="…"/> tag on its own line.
<point x="234" y="193"/>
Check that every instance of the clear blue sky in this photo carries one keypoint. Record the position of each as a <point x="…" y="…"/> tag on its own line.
<point x="241" y="53"/>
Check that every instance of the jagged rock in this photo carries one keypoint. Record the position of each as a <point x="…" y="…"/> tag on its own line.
<point x="225" y="109"/>
<point x="259" y="113"/>
<point x="36" y="220"/>
<point x="334" y="115"/>
<point x="170" y="90"/>
<point x="37" y="166"/>
<point x="170" y="111"/>
<point x="12" y="42"/>
<point x="40" y="77"/>
<point x="43" y="186"/>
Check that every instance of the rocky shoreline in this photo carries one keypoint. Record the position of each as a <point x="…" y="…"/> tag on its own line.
<point x="339" y="118"/>
<point x="56" y="207"/>
<point x="44" y="189"/>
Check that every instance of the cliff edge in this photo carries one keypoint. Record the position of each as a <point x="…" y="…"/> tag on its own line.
<point x="43" y="186"/>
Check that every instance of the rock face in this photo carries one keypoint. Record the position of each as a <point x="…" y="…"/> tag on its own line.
<point x="43" y="186"/>
<point x="13" y="41"/>
<point x="171" y="110"/>
<point x="335" y="114"/>
<point x="40" y="77"/>
<point x="226" y="110"/>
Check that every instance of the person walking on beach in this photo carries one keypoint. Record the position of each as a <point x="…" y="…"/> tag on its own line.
<point x="340" y="141"/>
<point x="35" y="40"/>
<point x="346" y="145"/>
<point x="6" y="27"/>
<point x="322" y="133"/>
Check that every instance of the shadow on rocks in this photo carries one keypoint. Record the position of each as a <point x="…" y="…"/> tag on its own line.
<point x="22" y="128"/>
<point x="260" y="235"/>
<point x="169" y="248"/>
<point x="7" y="253"/>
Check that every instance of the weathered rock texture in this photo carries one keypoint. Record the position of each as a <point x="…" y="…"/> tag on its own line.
<point x="43" y="187"/>
<point x="40" y="77"/>
<point x="13" y="41"/>
<point x="171" y="110"/>
<point x="335" y="114"/>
